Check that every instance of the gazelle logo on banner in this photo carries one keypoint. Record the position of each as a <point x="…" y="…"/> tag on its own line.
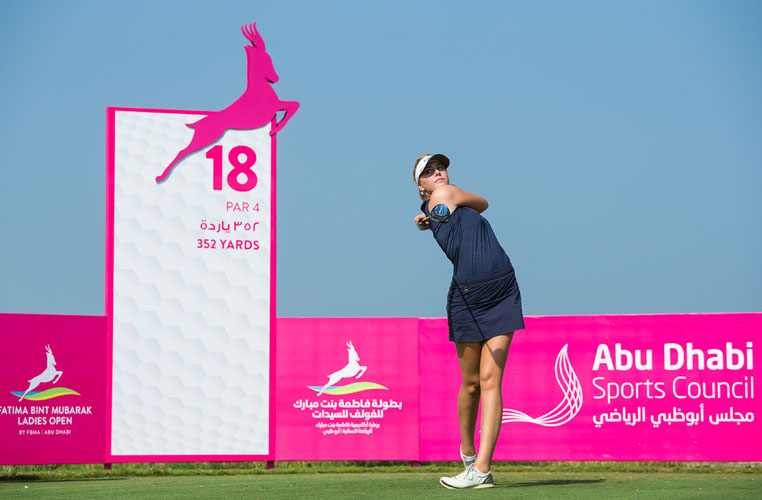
<point x="191" y="259"/>
<point x="570" y="404"/>
<point x="352" y="369"/>
<point x="49" y="374"/>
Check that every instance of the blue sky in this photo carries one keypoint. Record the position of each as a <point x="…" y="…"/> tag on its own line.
<point x="618" y="143"/>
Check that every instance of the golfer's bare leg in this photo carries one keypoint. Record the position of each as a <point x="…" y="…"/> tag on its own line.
<point x="493" y="356"/>
<point x="469" y="354"/>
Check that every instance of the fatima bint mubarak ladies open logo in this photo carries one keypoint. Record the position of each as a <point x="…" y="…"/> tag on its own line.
<point x="351" y="369"/>
<point x="49" y="373"/>
<point x="570" y="404"/>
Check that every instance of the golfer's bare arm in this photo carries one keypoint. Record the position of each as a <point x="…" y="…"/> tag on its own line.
<point x="454" y="197"/>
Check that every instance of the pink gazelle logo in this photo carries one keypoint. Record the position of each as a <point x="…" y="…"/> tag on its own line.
<point x="257" y="106"/>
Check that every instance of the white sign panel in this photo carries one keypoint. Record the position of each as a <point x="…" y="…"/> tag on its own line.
<point x="190" y="288"/>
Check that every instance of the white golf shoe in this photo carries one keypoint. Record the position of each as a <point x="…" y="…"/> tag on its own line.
<point x="469" y="478"/>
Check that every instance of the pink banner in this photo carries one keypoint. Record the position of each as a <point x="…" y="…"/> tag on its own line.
<point x="53" y="398"/>
<point x="646" y="387"/>
<point x="347" y="389"/>
<point x="659" y="387"/>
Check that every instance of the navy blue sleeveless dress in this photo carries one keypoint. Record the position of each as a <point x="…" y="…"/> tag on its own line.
<point x="484" y="300"/>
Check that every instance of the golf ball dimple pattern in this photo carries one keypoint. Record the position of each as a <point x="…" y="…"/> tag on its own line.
<point x="191" y="326"/>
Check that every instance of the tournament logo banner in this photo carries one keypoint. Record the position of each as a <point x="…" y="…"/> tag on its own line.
<point x="347" y="389"/>
<point x="191" y="273"/>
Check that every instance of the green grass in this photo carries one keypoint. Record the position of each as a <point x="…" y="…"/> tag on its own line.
<point x="398" y="485"/>
<point x="81" y="471"/>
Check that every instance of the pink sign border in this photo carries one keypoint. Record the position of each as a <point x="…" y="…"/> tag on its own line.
<point x="95" y="326"/>
<point x="109" y="302"/>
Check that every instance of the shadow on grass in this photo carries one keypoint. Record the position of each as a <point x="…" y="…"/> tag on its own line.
<point x="33" y="479"/>
<point x="555" y="482"/>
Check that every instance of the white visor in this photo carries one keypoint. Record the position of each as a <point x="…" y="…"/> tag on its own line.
<point x="421" y="165"/>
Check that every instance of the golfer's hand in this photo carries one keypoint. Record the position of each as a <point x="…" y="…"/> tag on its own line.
<point x="420" y="223"/>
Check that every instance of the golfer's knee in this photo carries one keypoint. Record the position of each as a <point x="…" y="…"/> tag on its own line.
<point x="490" y="380"/>
<point x="471" y="385"/>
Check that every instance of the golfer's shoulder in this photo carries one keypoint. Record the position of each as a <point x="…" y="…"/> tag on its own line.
<point x="445" y="194"/>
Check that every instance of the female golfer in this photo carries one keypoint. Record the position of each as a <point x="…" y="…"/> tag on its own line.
<point x="483" y="310"/>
